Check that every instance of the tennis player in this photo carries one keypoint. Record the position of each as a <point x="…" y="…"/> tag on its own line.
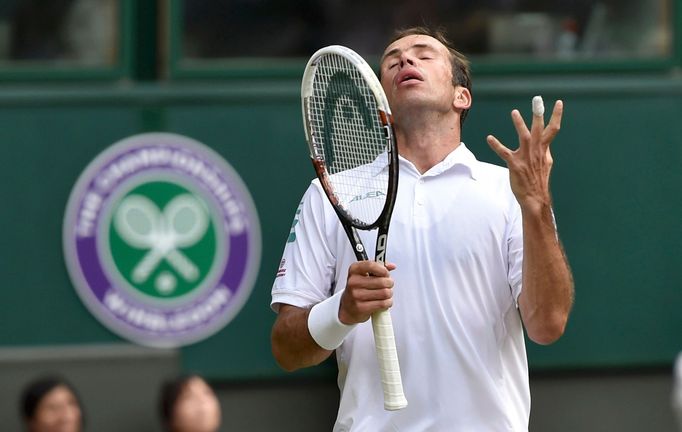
<point x="474" y="259"/>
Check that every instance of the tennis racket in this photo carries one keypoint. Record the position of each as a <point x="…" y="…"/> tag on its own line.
<point x="348" y="126"/>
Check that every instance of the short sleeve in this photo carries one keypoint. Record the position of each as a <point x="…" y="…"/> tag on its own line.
<point x="306" y="272"/>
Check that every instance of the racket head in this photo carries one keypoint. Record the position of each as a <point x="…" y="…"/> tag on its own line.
<point x="349" y="130"/>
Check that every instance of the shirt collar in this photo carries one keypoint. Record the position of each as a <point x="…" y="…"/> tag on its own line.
<point x="461" y="156"/>
<point x="379" y="164"/>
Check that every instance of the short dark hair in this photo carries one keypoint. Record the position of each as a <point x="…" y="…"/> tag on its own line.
<point x="35" y="391"/>
<point x="461" y="72"/>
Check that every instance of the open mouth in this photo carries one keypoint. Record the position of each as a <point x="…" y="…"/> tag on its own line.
<point x="409" y="76"/>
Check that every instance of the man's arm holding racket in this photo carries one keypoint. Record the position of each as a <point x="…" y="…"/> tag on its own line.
<point x="292" y="345"/>
<point x="369" y="289"/>
<point x="547" y="295"/>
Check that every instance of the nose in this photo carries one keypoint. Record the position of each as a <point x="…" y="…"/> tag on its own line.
<point x="406" y="59"/>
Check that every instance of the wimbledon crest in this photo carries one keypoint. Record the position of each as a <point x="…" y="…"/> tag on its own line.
<point x="162" y="240"/>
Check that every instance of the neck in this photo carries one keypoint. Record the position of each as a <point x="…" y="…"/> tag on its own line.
<point x="427" y="140"/>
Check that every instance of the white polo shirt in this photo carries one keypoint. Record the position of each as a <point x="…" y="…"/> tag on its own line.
<point x="456" y="238"/>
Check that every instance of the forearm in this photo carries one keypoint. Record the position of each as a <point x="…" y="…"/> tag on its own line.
<point x="547" y="295"/>
<point x="292" y="345"/>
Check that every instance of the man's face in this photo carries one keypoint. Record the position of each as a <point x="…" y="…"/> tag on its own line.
<point x="416" y="71"/>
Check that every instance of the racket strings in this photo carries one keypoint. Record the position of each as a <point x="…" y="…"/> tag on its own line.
<point x="350" y="138"/>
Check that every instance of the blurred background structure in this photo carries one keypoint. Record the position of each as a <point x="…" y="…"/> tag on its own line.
<point x="78" y="75"/>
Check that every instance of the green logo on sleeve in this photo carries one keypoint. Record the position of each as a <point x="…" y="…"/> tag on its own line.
<point x="292" y="231"/>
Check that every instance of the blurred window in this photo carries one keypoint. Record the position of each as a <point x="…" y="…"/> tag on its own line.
<point x="59" y="32"/>
<point x="515" y="29"/>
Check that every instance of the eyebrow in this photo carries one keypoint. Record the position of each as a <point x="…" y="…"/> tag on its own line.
<point x="395" y="51"/>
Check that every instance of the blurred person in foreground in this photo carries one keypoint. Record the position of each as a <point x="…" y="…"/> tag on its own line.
<point x="475" y="258"/>
<point x="189" y="404"/>
<point x="677" y="390"/>
<point x="51" y="404"/>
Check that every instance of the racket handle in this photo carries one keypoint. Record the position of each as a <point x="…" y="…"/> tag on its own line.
<point x="394" y="397"/>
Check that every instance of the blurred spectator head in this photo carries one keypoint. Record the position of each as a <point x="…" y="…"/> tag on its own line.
<point x="51" y="404"/>
<point x="189" y="404"/>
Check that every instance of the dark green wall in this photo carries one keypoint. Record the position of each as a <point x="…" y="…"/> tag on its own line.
<point x="617" y="190"/>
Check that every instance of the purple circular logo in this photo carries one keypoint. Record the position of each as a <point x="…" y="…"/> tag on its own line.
<point x="162" y="240"/>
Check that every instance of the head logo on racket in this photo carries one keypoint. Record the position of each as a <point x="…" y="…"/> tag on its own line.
<point x="161" y="239"/>
<point x="344" y="98"/>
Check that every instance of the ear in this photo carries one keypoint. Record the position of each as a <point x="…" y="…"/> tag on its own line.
<point x="462" y="99"/>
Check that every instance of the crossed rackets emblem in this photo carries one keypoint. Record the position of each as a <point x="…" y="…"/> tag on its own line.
<point x="143" y="225"/>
